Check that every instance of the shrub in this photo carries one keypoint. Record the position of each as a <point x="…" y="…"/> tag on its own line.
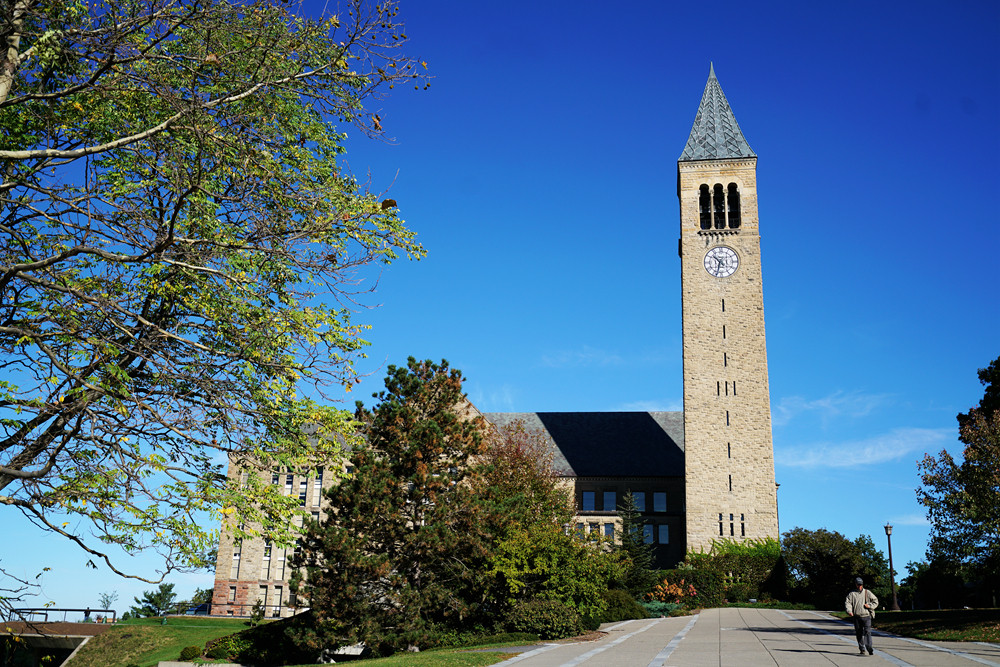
<point x="549" y="619"/>
<point x="229" y="647"/>
<point x="676" y="591"/>
<point x="655" y="608"/>
<point x="739" y="592"/>
<point x="190" y="652"/>
<point x="709" y="585"/>
<point x="621" y="607"/>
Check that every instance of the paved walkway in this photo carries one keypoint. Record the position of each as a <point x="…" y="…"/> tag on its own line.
<point x="751" y="638"/>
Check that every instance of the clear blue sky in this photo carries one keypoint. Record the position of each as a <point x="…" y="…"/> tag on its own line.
<point x="540" y="172"/>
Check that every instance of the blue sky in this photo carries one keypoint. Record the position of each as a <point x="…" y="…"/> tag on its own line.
<point x="539" y="171"/>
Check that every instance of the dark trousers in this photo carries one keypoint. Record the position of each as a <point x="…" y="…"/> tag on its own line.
<point x="863" y="631"/>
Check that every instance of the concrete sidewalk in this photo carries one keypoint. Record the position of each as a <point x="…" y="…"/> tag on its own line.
<point x="750" y="638"/>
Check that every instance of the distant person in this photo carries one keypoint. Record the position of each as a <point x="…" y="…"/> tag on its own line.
<point x="860" y="606"/>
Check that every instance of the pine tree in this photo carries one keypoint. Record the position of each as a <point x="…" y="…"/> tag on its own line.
<point x="639" y="575"/>
<point x="400" y="555"/>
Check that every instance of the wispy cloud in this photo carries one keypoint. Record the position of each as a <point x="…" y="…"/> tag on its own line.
<point x="585" y="356"/>
<point x="494" y="399"/>
<point x="892" y="446"/>
<point x="837" y="405"/>
<point x="653" y="406"/>
<point x="910" y="520"/>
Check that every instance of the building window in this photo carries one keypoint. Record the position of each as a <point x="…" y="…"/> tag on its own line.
<point x="589" y="501"/>
<point x="732" y="528"/>
<point x="640" y="500"/>
<point x="610" y="502"/>
<point x="663" y="533"/>
<point x="734" y="206"/>
<point x="730" y="483"/>
<point x="647" y="533"/>
<point x="265" y="567"/>
<point x="232" y="595"/>
<point x="235" y="572"/>
<point x="609" y="531"/>
<point x="303" y="486"/>
<point x="719" y="204"/>
<point x="595" y="530"/>
<point x="579" y="530"/>
<point x="276" y="601"/>
<point x="743" y="527"/>
<point x="705" y="207"/>
<point x="659" y="501"/>
<point x="288" y="484"/>
<point x="720" y="525"/>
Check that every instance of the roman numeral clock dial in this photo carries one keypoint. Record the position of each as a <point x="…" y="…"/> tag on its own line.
<point x="721" y="261"/>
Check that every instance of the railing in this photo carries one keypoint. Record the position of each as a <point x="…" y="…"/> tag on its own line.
<point x="246" y="610"/>
<point x="54" y="614"/>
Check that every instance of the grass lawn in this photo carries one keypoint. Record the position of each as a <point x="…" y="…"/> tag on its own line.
<point x="145" y="641"/>
<point x="946" y="625"/>
<point x="447" y="657"/>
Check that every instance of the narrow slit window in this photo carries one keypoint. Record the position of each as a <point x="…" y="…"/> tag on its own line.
<point x="723" y="330"/>
<point x="727" y="417"/>
<point x="705" y="207"/>
<point x="730" y="483"/>
<point x="725" y="359"/>
<point x="734" y="387"/>
<point x="718" y="388"/>
<point x="719" y="204"/>
<point x="720" y="526"/>
<point x="729" y="449"/>
<point x="734" y="206"/>
<point x="723" y="305"/>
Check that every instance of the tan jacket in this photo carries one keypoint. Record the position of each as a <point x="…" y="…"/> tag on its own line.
<point x="859" y="602"/>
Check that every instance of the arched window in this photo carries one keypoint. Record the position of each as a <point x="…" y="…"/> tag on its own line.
<point x="705" y="207"/>
<point x="719" y="201"/>
<point x="734" y="206"/>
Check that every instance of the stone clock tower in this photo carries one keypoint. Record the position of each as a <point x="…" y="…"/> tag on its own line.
<point x="728" y="455"/>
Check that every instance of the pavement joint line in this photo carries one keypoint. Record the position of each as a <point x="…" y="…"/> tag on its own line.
<point x="662" y="656"/>
<point x="529" y="654"/>
<point x="967" y="656"/>
<point x="882" y="654"/>
<point x="583" y="657"/>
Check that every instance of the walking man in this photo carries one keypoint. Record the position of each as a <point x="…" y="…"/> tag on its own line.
<point x="860" y="606"/>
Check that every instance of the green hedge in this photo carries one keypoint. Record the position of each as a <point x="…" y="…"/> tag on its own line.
<point x="549" y="619"/>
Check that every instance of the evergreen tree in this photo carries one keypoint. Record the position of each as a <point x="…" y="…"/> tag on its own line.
<point x="401" y="555"/>
<point x="639" y="575"/>
<point x="154" y="603"/>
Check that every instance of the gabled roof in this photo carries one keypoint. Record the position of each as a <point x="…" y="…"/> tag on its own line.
<point x="715" y="134"/>
<point x="609" y="444"/>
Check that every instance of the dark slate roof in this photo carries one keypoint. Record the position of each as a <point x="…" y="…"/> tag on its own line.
<point x="609" y="444"/>
<point x="715" y="134"/>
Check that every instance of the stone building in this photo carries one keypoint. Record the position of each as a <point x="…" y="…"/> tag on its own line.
<point x="699" y="475"/>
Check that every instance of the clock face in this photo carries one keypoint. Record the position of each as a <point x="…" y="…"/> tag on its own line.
<point x="721" y="261"/>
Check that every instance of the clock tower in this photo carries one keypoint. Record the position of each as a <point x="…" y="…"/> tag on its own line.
<point x="728" y="455"/>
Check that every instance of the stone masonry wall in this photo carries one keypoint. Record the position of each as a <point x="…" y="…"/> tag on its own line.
<point x="729" y="460"/>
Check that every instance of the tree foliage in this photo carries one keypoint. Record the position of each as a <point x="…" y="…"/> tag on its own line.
<point x="822" y="565"/>
<point x="154" y="603"/>
<point x="963" y="499"/>
<point x="179" y="250"/>
<point x="639" y="576"/>
<point x="401" y="555"/>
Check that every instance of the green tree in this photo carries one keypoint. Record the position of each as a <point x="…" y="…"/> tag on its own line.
<point x="518" y="475"/>
<point x="639" y="575"/>
<point x="177" y="246"/>
<point x="542" y="561"/>
<point x="989" y="377"/>
<point x="822" y="565"/>
<point x="154" y="603"/>
<point x="963" y="505"/>
<point x="403" y="554"/>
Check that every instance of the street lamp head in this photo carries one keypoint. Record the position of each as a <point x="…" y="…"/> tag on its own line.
<point x="888" y="529"/>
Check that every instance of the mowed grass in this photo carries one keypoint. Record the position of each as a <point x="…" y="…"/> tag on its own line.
<point x="449" y="657"/>
<point x="944" y="625"/>
<point x="145" y="641"/>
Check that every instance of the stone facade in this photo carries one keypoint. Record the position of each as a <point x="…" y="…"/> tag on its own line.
<point x="729" y="462"/>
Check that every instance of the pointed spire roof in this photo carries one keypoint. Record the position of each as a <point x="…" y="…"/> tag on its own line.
<point x="715" y="134"/>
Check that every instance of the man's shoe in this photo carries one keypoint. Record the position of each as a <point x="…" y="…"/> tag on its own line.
<point x="862" y="651"/>
<point x="871" y="652"/>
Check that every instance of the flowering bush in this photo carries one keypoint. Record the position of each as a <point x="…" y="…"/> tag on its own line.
<point x="668" y="592"/>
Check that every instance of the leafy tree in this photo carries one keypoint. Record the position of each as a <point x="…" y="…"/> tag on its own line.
<point x="639" y="575"/>
<point x="989" y="377"/>
<point x="963" y="504"/>
<point x="822" y="565"/>
<point x="403" y="554"/>
<point x="105" y="600"/>
<point x="177" y="244"/>
<point x="154" y="603"/>
<point x="518" y="475"/>
<point x="542" y="561"/>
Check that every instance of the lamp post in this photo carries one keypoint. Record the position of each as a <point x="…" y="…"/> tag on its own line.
<point x="892" y="574"/>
